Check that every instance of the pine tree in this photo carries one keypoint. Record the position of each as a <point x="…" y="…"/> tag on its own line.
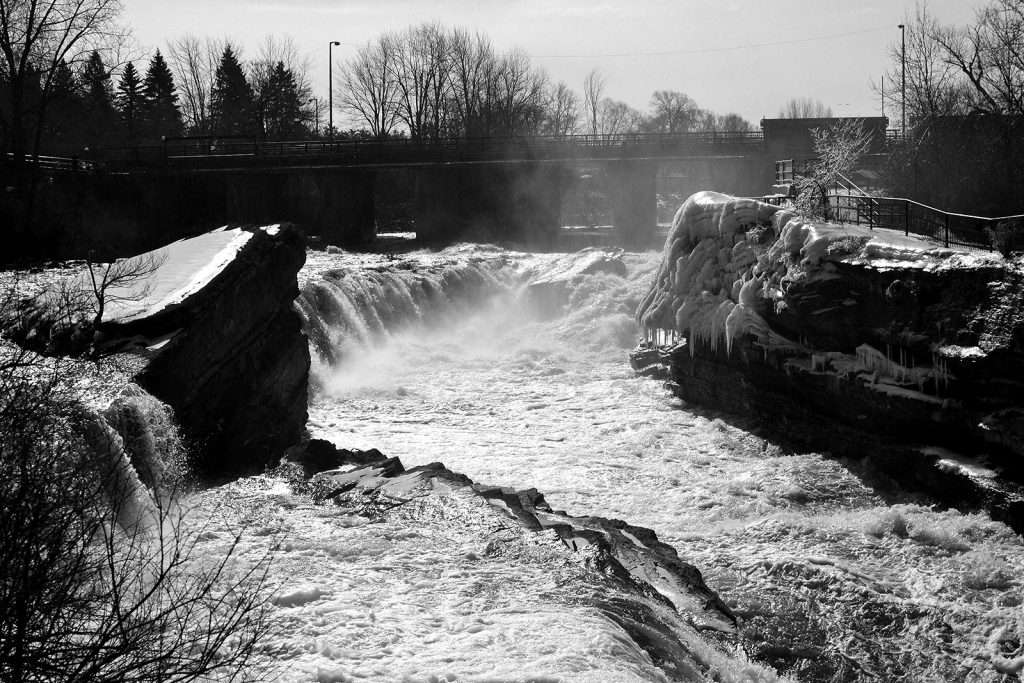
<point x="129" y="93"/>
<point x="283" y="114"/>
<point x="231" y="100"/>
<point x="98" y="123"/>
<point x="96" y="86"/>
<point x="160" y="112"/>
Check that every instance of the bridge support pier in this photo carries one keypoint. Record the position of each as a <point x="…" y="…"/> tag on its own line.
<point x="337" y="205"/>
<point x="519" y="202"/>
<point x="634" y="201"/>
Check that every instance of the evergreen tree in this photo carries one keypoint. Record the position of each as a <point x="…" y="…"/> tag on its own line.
<point x="129" y="93"/>
<point x="283" y="114"/>
<point x="97" y="122"/>
<point x="231" y="100"/>
<point x="160" y="112"/>
<point x="63" y="128"/>
<point x="96" y="86"/>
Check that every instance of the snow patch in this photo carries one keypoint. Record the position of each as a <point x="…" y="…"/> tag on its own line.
<point x="184" y="267"/>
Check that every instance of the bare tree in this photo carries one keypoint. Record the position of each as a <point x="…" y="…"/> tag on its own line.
<point x="194" y="61"/>
<point x="675" y="112"/>
<point x="563" y="110"/>
<point x="473" y="65"/>
<point x="367" y="89"/>
<point x="989" y="55"/>
<point x="36" y="38"/>
<point x="593" y="93"/>
<point x="805" y="108"/>
<point x="732" y="123"/>
<point x="519" y="101"/>
<point x="618" y="117"/>
<point x="420" y="68"/>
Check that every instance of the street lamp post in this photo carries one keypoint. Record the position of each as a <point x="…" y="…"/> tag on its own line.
<point x="903" y="79"/>
<point x="330" y="88"/>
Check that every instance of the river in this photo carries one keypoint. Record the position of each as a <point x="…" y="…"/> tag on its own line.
<point x="446" y="357"/>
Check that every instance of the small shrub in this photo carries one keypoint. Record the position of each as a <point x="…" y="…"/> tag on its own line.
<point x="846" y="246"/>
<point x="1004" y="237"/>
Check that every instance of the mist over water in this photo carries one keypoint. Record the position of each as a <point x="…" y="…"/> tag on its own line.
<point x="454" y="361"/>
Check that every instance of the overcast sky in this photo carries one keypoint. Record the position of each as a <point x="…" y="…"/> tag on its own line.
<point x="744" y="56"/>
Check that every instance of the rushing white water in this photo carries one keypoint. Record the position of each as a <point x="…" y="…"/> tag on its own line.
<point x="441" y="357"/>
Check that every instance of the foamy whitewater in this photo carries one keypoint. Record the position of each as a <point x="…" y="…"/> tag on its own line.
<point x="449" y="357"/>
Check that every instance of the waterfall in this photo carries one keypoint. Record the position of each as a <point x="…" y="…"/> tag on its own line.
<point x="344" y="311"/>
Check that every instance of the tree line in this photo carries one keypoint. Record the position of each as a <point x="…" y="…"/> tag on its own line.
<point x="429" y="81"/>
<point x="62" y="101"/>
<point x="66" y="85"/>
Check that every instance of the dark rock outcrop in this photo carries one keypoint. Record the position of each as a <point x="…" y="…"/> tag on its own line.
<point x="235" y="363"/>
<point x="630" y="557"/>
<point x="859" y="343"/>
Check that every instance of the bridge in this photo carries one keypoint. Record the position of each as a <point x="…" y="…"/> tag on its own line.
<point x="485" y="187"/>
<point x="492" y="187"/>
<point x="211" y="153"/>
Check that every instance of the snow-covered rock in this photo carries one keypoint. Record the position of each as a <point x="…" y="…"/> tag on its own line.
<point x="844" y="338"/>
<point x="217" y="338"/>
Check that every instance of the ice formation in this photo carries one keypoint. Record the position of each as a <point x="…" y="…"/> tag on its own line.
<point x="716" y="279"/>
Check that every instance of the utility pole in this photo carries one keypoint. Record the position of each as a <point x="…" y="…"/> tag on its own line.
<point x="316" y="114"/>
<point x="330" y="88"/>
<point x="903" y="83"/>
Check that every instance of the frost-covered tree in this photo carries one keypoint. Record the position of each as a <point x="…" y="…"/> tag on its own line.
<point x="838" y="149"/>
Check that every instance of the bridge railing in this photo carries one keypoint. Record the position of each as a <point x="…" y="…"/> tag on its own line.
<point x="463" y="147"/>
<point x="950" y="229"/>
<point x="50" y="163"/>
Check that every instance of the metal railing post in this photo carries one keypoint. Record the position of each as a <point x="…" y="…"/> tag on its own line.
<point x="906" y="218"/>
<point x="945" y="240"/>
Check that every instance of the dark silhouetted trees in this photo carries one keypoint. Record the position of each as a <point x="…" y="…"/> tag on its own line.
<point x="231" y="99"/>
<point x="129" y="99"/>
<point x="161" y="115"/>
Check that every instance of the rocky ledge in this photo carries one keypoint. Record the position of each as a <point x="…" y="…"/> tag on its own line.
<point x="631" y="560"/>
<point x="863" y="343"/>
<point x="207" y="325"/>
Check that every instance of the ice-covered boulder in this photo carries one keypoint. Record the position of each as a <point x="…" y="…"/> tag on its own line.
<point x="841" y="337"/>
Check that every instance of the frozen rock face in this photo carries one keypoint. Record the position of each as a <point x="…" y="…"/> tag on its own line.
<point x="842" y="338"/>
<point x="224" y="346"/>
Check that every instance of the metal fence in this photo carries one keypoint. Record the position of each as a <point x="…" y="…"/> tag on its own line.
<point x="949" y="229"/>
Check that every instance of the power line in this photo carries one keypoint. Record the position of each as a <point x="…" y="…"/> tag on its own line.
<point x="716" y="49"/>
